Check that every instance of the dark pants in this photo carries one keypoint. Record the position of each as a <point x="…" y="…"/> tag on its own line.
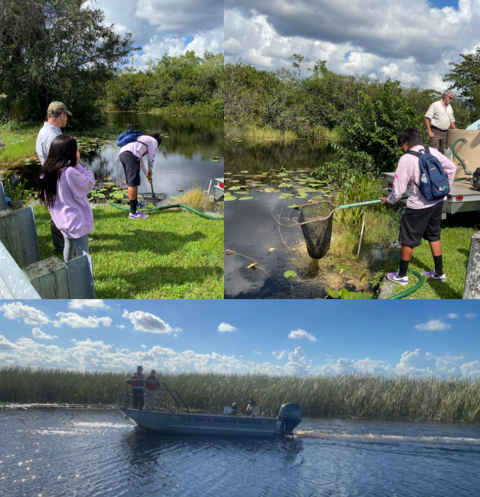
<point x="137" y="398"/>
<point x="57" y="238"/>
<point x="439" y="140"/>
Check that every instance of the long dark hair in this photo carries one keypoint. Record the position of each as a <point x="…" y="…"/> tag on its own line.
<point x="157" y="137"/>
<point x="63" y="153"/>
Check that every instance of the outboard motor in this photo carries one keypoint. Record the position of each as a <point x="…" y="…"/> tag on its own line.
<point x="291" y="416"/>
<point x="476" y="179"/>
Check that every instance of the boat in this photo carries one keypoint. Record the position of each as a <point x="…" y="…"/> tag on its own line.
<point x="171" y="415"/>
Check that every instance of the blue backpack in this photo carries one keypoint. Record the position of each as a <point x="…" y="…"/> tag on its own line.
<point x="434" y="182"/>
<point x="128" y="137"/>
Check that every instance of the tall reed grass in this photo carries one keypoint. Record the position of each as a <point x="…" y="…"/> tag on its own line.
<point x="393" y="398"/>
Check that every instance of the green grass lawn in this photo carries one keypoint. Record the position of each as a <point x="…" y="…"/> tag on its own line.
<point x="19" y="144"/>
<point x="171" y="255"/>
<point x="457" y="232"/>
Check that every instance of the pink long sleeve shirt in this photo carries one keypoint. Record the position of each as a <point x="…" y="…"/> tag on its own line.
<point x="144" y="145"/>
<point x="71" y="212"/>
<point x="408" y="173"/>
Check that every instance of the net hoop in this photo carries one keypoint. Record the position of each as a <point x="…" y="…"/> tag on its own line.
<point x="333" y="206"/>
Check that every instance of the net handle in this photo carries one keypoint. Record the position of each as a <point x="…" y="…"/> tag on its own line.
<point x="347" y="206"/>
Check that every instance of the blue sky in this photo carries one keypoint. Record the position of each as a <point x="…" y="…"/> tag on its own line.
<point x="276" y="337"/>
<point x="412" y="41"/>
<point x="169" y="27"/>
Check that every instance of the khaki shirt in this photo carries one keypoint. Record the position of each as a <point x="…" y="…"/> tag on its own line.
<point x="440" y="116"/>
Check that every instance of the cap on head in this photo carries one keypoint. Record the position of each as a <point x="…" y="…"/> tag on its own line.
<point x="58" y="108"/>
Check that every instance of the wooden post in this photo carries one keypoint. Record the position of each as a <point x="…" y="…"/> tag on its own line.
<point x="13" y="282"/>
<point x="3" y="202"/>
<point x="10" y="236"/>
<point x="49" y="278"/>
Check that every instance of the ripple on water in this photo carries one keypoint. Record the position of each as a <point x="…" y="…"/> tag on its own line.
<point x="98" y="454"/>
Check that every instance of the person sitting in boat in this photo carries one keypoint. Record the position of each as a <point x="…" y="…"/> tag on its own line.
<point x="136" y="382"/>
<point x="234" y="409"/>
<point x="252" y="409"/>
<point x="151" y="390"/>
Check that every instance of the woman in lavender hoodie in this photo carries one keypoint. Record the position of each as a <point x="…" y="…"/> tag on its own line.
<point x="64" y="186"/>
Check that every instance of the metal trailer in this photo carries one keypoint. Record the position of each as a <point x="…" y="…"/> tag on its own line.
<point x="462" y="198"/>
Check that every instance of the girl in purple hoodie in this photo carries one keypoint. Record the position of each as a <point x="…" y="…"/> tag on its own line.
<point x="64" y="186"/>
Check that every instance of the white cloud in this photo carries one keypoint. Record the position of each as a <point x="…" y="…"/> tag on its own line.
<point x="362" y="366"/>
<point x="225" y="327"/>
<point x="387" y="38"/>
<point x="470" y="368"/>
<point x="38" y="333"/>
<point x="452" y="315"/>
<point x="302" y="334"/>
<point x="91" y="303"/>
<point x="469" y="315"/>
<point x="143" y="346"/>
<point x="75" y="321"/>
<point x="280" y="354"/>
<point x="121" y="326"/>
<point x="30" y="315"/>
<point x="425" y="363"/>
<point x="433" y="325"/>
<point x="257" y="352"/>
<point x="145" y="321"/>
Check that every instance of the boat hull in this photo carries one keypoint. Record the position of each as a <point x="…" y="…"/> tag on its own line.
<point x="203" y="423"/>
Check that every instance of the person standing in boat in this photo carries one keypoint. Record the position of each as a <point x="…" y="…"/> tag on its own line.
<point x="137" y="382"/>
<point x="151" y="391"/>
<point x="131" y="157"/>
<point x="252" y="409"/>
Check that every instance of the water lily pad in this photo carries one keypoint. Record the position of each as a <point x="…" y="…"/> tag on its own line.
<point x="235" y="188"/>
<point x="290" y="274"/>
<point x="244" y="172"/>
<point x="272" y="249"/>
<point x="227" y="199"/>
<point x="294" y="206"/>
<point x="245" y="198"/>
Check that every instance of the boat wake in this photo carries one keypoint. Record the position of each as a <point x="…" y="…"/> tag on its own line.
<point x="386" y="438"/>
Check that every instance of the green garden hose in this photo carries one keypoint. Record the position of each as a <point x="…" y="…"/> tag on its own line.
<point x="456" y="155"/>
<point x="406" y="293"/>
<point x="124" y="208"/>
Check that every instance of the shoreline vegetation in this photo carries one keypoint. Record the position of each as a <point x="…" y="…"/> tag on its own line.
<point x="359" y="119"/>
<point x="403" y="398"/>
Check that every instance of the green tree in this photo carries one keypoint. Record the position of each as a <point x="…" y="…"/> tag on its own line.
<point x="58" y="50"/>
<point x="465" y="77"/>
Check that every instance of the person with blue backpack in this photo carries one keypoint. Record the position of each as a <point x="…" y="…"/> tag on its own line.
<point x="429" y="175"/>
<point x="134" y="145"/>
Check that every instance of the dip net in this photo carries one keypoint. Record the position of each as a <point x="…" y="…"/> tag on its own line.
<point x="316" y="221"/>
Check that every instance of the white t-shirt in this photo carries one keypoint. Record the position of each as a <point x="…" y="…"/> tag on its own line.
<point x="440" y="116"/>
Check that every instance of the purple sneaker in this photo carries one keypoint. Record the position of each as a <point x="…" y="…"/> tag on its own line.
<point x="397" y="279"/>
<point x="141" y="205"/>
<point x="138" y="215"/>
<point x="434" y="275"/>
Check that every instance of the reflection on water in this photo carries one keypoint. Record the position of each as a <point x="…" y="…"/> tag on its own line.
<point x="96" y="453"/>
<point x="255" y="226"/>
<point x="183" y="159"/>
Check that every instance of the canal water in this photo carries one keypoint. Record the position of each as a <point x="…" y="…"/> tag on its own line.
<point x="183" y="160"/>
<point x="260" y="227"/>
<point x="98" y="453"/>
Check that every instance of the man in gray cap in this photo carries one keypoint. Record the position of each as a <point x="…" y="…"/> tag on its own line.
<point x="57" y="115"/>
<point x="438" y="119"/>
